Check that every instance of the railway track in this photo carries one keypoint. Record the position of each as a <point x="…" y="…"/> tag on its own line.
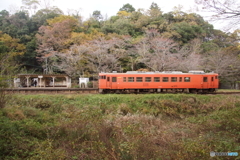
<point x="76" y="91"/>
<point x="52" y="90"/>
<point x="226" y="92"/>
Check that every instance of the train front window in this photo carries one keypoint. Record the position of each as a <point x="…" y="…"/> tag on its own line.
<point x="102" y="77"/>
<point x="173" y="79"/>
<point x="165" y="79"/>
<point x="148" y="79"/>
<point x="156" y="79"/>
<point x="187" y="79"/>
<point x="216" y="77"/>
<point x="139" y="79"/>
<point x="130" y="79"/>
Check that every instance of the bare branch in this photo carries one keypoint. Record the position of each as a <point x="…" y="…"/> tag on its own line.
<point x="227" y="10"/>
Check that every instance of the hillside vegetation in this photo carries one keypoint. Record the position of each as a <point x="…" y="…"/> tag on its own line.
<point x="148" y="126"/>
<point x="47" y="41"/>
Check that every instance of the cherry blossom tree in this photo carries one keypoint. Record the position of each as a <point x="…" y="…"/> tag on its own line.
<point x="73" y="62"/>
<point x="223" y="10"/>
<point x="105" y="53"/>
<point x="225" y="64"/>
<point x="53" y="39"/>
<point x="189" y="56"/>
<point x="157" y="53"/>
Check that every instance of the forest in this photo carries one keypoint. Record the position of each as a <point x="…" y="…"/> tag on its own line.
<point x="48" y="41"/>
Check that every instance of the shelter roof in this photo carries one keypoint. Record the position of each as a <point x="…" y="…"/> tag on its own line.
<point x="44" y="75"/>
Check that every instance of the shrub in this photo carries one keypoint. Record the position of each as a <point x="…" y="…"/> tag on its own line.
<point x="42" y="104"/>
<point x="90" y="84"/>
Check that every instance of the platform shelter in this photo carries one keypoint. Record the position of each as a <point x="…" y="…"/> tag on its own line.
<point x="43" y="80"/>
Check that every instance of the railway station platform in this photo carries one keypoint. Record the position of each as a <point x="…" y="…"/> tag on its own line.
<point x="42" y="81"/>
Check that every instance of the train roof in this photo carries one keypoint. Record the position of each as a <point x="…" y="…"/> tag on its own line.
<point x="157" y="72"/>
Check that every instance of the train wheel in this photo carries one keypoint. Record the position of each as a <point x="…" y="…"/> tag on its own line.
<point x="205" y="91"/>
<point x="212" y="90"/>
<point x="118" y="91"/>
<point x="193" y="91"/>
<point x="159" y="90"/>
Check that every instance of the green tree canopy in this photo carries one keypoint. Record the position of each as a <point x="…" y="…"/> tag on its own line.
<point x="128" y="8"/>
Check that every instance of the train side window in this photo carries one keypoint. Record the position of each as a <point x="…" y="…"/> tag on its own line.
<point x="187" y="79"/>
<point x="205" y="79"/>
<point x="173" y="79"/>
<point x="216" y="77"/>
<point x="102" y="77"/>
<point x="139" y="79"/>
<point x="114" y="79"/>
<point x="212" y="78"/>
<point x="148" y="79"/>
<point x="156" y="79"/>
<point x="108" y="79"/>
<point x="130" y="79"/>
<point x="180" y="79"/>
<point x="124" y="79"/>
<point x="165" y="79"/>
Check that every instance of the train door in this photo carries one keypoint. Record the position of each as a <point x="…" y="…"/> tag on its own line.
<point x="108" y="82"/>
<point x="216" y="82"/>
<point x="212" y="82"/>
<point x="205" y="82"/>
<point x="114" y="83"/>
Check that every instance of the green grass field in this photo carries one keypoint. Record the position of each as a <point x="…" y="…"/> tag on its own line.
<point x="228" y="90"/>
<point x="117" y="126"/>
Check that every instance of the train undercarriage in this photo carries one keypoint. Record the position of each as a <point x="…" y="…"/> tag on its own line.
<point x="186" y="90"/>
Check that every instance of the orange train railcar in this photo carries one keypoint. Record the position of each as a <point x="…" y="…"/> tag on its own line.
<point x="133" y="81"/>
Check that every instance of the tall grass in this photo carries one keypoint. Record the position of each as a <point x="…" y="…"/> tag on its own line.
<point x="151" y="126"/>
